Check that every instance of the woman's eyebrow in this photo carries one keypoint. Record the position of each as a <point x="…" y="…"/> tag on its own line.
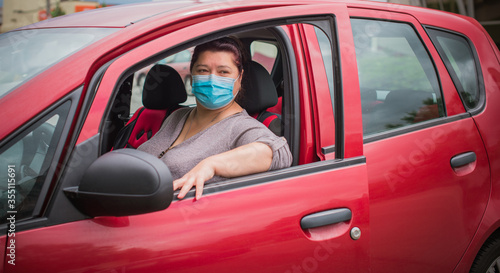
<point x="224" y="66"/>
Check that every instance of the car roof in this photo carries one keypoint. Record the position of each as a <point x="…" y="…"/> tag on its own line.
<point x="120" y="16"/>
<point x="112" y="16"/>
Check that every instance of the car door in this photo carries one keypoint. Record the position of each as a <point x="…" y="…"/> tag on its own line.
<point x="310" y="217"/>
<point x="30" y="156"/>
<point x="425" y="205"/>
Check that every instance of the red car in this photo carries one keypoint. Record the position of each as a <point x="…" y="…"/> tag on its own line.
<point x="389" y="111"/>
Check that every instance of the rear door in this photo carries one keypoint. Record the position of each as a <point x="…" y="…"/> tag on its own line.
<point x="427" y="167"/>
<point x="310" y="217"/>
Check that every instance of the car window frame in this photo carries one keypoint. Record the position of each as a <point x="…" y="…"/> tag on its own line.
<point x="458" y="85"/>
<point x="292" y="104"/>
<point x="287" y="57"/>
<point x="66" y="108"/>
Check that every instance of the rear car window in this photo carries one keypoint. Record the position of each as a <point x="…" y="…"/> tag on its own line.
<point x="25" y="53"/>
<point x="458" y="57"/>
<point x="398" y="81"/>
<point x="264" y="53"/>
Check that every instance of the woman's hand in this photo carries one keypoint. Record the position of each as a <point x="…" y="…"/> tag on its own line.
<point x="247" y="159"/>
<point x="195" y="177"/>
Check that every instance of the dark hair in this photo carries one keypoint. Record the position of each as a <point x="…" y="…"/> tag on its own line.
<point x="227" y="44"/>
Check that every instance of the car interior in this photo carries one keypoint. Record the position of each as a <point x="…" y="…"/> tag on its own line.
<point x="164" y="92"/>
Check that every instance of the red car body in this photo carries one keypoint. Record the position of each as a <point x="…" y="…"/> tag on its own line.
<point x="409" y="210"/>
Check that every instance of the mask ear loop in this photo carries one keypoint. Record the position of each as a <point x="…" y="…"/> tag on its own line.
<point x="235" y="80"/>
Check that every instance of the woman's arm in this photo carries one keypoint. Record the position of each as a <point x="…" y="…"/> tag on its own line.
<point x="247" y="159"/>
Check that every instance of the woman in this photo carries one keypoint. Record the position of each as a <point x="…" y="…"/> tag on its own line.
<point x="217" y="139"/>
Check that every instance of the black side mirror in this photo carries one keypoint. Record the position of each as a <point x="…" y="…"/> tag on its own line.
<point x="123" y="182"/>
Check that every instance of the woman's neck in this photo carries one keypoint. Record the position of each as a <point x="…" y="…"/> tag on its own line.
<point x="204" y="115"/>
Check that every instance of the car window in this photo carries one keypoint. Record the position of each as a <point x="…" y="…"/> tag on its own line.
<point x="23" y="54"/>
<point x="183" y="57"/>
<point x="179" y="61"/>
<point x="398" y="81"/>
<point x="25" y="162"/>
<point x="326" y="53"/>
<point x="458" y="58"/>
<point x="264" y="53"/>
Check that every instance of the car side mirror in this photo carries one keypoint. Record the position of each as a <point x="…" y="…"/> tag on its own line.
<point x="123" y="182"/>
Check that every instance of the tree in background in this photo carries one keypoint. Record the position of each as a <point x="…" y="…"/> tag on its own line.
<point x="57" y="11"/>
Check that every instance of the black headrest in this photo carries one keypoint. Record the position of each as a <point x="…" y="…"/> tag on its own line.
<point x="163" y="88"/>
<point x="259" y="90"/>
<point x="408" y="101"/>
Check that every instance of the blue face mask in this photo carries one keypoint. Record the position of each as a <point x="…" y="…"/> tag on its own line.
<point x="212" y="91"/>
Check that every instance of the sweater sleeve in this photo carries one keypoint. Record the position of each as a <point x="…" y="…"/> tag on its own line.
<point x="257" y="132"/>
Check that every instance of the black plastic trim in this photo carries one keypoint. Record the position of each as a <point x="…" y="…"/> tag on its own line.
<point x="328" y="149"/>
<point x="414" y="127"/>
<point x="269" y="177"/>
<point x="338" y="100"/>
<point x="462" y="159"/>
<point x="60" y="209"/>
<point x="324" y="218"/>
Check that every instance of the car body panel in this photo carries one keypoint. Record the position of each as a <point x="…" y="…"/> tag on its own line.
<point x="202" y="236"/>
<point x="490" y="71"/>
<point x="435" y="205"/>
<point x="433" y="198"/>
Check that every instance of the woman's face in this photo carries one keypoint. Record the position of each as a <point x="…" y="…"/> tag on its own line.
<point x="219" y="63"/>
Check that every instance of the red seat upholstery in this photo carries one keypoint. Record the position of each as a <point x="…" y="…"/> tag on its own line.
<point x="162" y="94"/>
<point x="278" y="108"/>
<point x="260" y="94"/>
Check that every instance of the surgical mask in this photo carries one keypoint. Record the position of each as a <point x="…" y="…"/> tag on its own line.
<point x="212" y="91"/>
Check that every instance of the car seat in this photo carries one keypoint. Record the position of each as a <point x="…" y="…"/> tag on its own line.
<point x="401" y="108"/>
<point x="162" y="94"/>
<point x="260" y="94"/>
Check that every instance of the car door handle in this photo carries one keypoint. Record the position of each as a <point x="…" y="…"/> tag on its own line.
<point x="324" y="218"/>
<point x="462" y="159"/>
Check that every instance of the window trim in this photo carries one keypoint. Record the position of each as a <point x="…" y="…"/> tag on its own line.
<point x="414" y="127"/>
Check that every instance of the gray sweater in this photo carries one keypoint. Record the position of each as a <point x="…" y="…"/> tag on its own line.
<point x="233" y="131"/>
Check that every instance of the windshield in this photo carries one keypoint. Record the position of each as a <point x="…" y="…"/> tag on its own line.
<point x="25" y="53"/>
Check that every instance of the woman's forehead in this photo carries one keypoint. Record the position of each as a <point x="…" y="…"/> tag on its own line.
<point x="216" y="58"/>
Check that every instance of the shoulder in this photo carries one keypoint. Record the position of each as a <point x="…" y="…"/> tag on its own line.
<point x="181" y="112"/>
<point x="245" y="129"/>
<point x="243" y="120"/>
<point x="176" y="116"/>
